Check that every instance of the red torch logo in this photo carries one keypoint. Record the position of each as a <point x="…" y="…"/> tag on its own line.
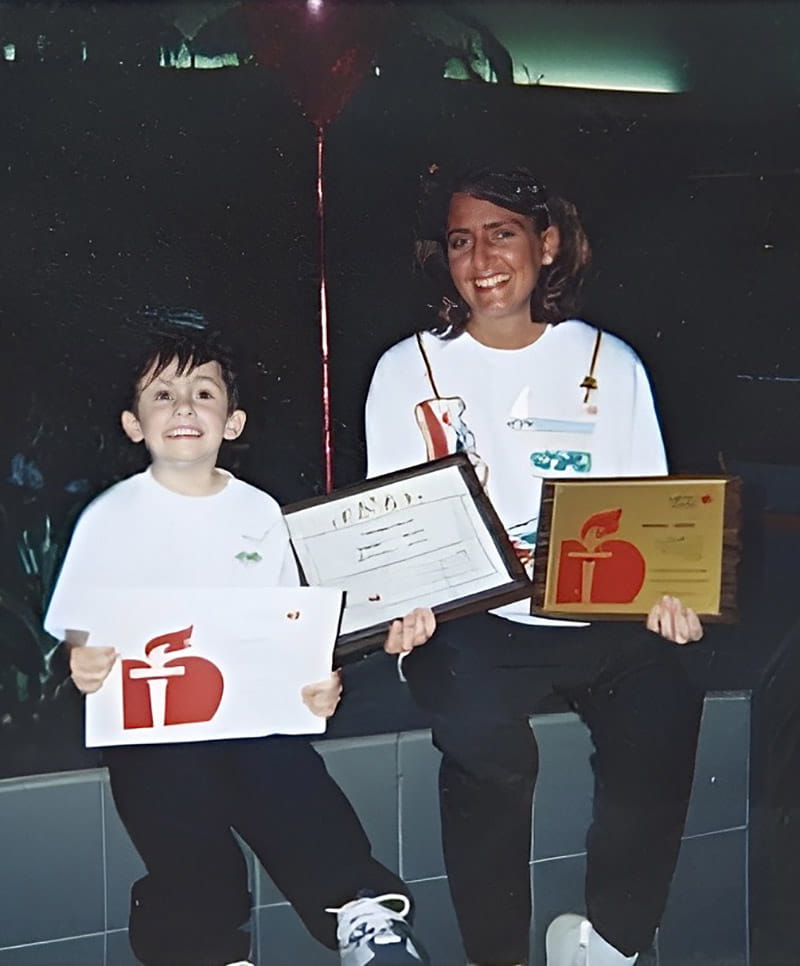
<point x="184" y="690"/>
<point x="594" y="570"/>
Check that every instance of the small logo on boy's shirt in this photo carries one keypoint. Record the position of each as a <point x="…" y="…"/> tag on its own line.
<point x="249" y="557"/>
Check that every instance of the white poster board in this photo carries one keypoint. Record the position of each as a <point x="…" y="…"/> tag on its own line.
<point x="200" y="665"/>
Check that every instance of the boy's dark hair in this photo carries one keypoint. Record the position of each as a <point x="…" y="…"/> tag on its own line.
<point x="189" y="350"/>
<point x="555" y="297"/>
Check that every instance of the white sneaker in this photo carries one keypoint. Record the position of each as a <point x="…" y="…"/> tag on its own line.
<point x="566" y="940"/>
<point x="372" y="932"/>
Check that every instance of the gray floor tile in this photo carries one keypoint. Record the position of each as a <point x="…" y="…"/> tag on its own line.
<point x="51" y="875"/>
<point x="118" y="950"/>
<point x="123" y="865"/>
<point x="720" y="790"/>
<point x="284" y="941"/>
<point x="253" y="869"/>
<point x="366" y="771"/>
<point x="435" y="923"/>
<point x="563" y="797"/>
<point x="705" y="923"/>
<point x="420" y="830"/>
<point x="82" y="951"/>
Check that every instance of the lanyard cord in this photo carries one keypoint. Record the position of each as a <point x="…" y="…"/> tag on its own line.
<point x="590" y="381"/>
<point x="428" y="369"/>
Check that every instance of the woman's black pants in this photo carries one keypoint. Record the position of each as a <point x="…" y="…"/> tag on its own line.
<point x="480" y="678"/>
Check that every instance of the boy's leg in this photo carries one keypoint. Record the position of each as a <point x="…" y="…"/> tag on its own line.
<point x="189" y="908"/>
<point x="304" y="831"/>
<point x="644" y="717"/>
<point x="476" y="678"/>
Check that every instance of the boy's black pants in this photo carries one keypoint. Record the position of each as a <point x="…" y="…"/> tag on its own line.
<point x="179" y="803"/>
<point x="481" y="677"/>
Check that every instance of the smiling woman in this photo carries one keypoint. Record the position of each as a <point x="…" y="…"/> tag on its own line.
<point x="495" y="259"/>
<point x="538" y="394"/>
<point x="504" y="234"/>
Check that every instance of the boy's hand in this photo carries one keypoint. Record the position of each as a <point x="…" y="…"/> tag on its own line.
<point x="322" y="697"/>
<point x="90" y="666"/>
<point x="410" y="631"/>
<point x="674" y="622"/>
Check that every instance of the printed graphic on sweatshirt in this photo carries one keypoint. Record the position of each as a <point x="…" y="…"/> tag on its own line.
<point x="445" y="431"/>
<point x="523" y="540"/>
<point x="560" y="446"/>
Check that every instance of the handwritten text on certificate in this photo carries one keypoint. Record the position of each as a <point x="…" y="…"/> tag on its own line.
<point x="414" y="542"/>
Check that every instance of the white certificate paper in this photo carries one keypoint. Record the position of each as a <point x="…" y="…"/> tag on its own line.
<point x="200" y="665"/>
<point x="412" y="542"/>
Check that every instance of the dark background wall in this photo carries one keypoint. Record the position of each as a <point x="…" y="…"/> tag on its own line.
<point x="127" y="189"/>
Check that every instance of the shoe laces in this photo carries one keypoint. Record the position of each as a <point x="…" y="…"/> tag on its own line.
<point x="363" y="920"/>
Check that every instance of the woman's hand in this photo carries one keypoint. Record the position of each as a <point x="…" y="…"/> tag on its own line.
<point x="322" y="697"/>
<point x="674" y="622"/>
<point x="410" y="631"/>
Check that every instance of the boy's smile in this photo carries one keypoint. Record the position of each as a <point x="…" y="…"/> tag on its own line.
<point x="182" y="418"/>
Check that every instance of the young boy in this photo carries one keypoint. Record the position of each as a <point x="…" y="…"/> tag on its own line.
<point x="182" y="523"/>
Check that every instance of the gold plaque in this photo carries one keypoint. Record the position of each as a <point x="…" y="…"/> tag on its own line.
<point x="611" y="548"/>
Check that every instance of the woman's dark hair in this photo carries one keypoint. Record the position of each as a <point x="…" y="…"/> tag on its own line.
<point x="555" y="297"/>
<point x="189" y="349"/>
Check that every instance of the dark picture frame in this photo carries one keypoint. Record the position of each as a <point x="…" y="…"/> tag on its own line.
<point x="420" y="575"/>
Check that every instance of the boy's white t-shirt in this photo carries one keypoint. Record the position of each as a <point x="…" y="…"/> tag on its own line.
<point x="140" y="534"/>
<point x="524" y="415"/>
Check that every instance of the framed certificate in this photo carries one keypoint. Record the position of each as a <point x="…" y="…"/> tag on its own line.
<point x="610" y="548"/>
<point x="425" y="536"/>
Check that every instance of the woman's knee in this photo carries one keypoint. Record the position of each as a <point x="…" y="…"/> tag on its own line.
<point x="656" y="688"/>
<point x="645" y="728"/>
<point x="488" y="749"/>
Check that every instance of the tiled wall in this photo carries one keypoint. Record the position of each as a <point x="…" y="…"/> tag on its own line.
<point x="67" y="865"/>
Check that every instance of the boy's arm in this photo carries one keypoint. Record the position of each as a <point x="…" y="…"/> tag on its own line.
<point x="89" y="666"/>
